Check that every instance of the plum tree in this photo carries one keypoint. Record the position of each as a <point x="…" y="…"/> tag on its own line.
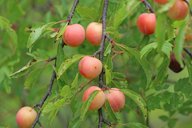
<point x="146" y="23"/>
<point x="179" y="10"/>
<point x="98" y="100"/>
<point x="115" y="98"/>
<point x="161" y="1"/>
<point x="90" y="67"/>
<point x="25" y="117"/>
<point x="74" y="35"/>
<point x="94" y="33"/>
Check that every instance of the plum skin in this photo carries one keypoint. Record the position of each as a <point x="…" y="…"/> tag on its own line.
<point x="90" y="67"/>
<point x="146" y="23"/>
<point x="98" y="100"/>
<point x="74" y="35"/>
<point x="25" y="117"/>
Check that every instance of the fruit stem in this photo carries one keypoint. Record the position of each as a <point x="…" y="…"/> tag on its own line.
<point x="147" y="5"/>
<point x="75" y="3"/>
<point x="188" y="52"/>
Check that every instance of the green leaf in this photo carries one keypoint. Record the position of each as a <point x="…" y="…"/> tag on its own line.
<point x="189" y="68"/>
<point x="74" y="84"/>
<point x="60" y="56"/>
<point x="23" y="69"/>
<point x="161" y="29"/>
<point x="179" y="43"/>
<point x="172" y="123"/>
<point x="37" y="33"/>
<point x="86" y="105"/>
<point x="108" y="75"/>
<point x="147" y="49"/>
<point x="162" y="71"/>
<point x="108" y="49"/>
<point x="66" y="64"/>
<point x="138" y="100"/>
<point x="110" y="112"/>
<point x="164" y="118"/>
<point x="167" y="48"/>
<point x="32" y="78"/>
<point x="53" y="107"/>
<point x="120" y="15"/>
<point x="5" y="25"/>
<point x="61" y="31"/>
<point x="87" y="12"/>
<point x="143" y="62"/>
<point x="132" y="125"/>
<point x="65" y="91"/>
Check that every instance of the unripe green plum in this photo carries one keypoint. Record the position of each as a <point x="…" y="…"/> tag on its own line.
<point x="25" y="117"/>
<point x="90" y="67"/>
<point x="74" y="35"/>
<point x="146" y="23"/>
<point x="179" y="10"/>
<point x="116" y="99"/>
<point x="98" y="100"/>
<point x="94" y="33"/>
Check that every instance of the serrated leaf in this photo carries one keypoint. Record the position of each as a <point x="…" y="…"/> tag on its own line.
<point x="86" y="105"/>
<point x="66" y="64"/>
<point x="138" y="100"/>
<point x="167" y="48"/>
<point x="108" y="49"/>
<point x="147" y="49"/>
<point x="36" y="34"/>
<point x="189" y="68"/>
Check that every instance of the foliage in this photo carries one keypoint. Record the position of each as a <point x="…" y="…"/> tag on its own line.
<point x="135" y="63"/>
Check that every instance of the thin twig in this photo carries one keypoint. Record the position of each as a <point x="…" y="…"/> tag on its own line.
<point x="190" y="10"/>
<point x="188" y="52"/>
<point x="75" y="3"/>
<point x="101" y="56"/>
<point x="48" y="93"/>
<point x="40" y="105"/>
<point x="147" y="5"/>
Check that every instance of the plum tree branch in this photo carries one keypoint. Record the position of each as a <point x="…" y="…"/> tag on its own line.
<point x="75" y="3"/>
<point x="188" y="52"/>
<point x="147" y="5"/>
<point x="53" y="77"/>
<point x="101" y="56"/>
<point x="190" y="10"/>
